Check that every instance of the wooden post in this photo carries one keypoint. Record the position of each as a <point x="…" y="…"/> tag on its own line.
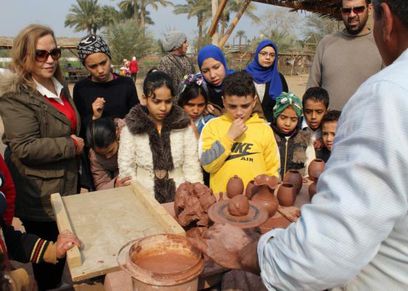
<point x="234" y="23"/>
<point x="214" y="6"/>
<point x="216" y="18"/>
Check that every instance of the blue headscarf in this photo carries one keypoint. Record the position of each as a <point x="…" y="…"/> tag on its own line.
<point x="264" y="75"/>
<point x="212" y="51"/>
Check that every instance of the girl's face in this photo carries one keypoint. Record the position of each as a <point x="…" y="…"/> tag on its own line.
<point x="213" y="71"/>
<point x="287" y="120"/>
<point x="108" y="151"/>
<point x="266" y="57"/>
<point x="159" y="103"/>
<point x="195" y="107"/>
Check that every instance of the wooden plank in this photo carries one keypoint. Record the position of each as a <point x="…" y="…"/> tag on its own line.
<point x="157" y="210"/>
<point x="216" y="17"/>
<point x="106" y="220"/>
<point x="73" y="255"/>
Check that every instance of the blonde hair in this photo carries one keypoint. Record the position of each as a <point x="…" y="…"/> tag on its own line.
<point x="23" y="53"/>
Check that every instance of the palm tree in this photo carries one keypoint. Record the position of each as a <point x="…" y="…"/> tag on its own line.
<point x="155" y="5"/>
<point x="85" y="15"/>
<point x="196" y="8"/>
<point x="240" y="34"/>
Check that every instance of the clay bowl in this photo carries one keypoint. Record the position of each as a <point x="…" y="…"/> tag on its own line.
<point x="312" y="190"/>
<point x="295" y="178"/>
<point x="266" y="199"/>
<point x="316" y="167"/>
<point x="235" y="186"/>
<point x="286" y="194"/>
<point x="270" y="181"/>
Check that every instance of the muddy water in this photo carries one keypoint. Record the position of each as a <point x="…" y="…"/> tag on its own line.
<point x="167" y="263"/>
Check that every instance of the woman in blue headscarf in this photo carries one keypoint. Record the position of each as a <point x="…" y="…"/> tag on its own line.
<point x="213" y="67"/>
<point x="268" y="81"/>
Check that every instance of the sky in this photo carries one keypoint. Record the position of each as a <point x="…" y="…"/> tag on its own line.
<point x="16" y="14"/>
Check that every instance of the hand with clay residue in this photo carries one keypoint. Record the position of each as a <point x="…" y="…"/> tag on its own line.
<point x="223" y="244"/>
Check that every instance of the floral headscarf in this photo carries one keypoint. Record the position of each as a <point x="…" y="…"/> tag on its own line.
<point x="284" y="101"/>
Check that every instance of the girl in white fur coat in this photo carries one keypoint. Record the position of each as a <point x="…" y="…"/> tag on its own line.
<point x="157" y="146"/>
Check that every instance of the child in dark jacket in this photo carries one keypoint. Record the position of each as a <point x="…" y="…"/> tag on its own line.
<point x="295" y="148"/>
<point x="329" y="127"/>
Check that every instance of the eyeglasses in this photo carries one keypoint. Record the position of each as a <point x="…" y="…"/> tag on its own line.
<point x="266" y="54"/>
<point x="42" y="55"/>
<point x="356" y="10"/>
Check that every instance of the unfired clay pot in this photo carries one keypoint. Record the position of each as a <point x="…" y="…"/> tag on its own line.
<point x="286" y="194"/>
<point x="312" y="190"/>
<point x="238" y="205"/>
<point x="270" y="181"/>
<point x="250" y="189"/>
<point x="235" y="186"/>
<point x="316" y="167"/>
<point x="266" y="199"/>
<point x="295" y="178"/>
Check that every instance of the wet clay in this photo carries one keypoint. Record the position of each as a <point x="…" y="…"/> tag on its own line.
<point x="191" y="204"/>
<point x="235" y="186"/>
<point x="238" y="205"/>
<point x="166" y="263"/>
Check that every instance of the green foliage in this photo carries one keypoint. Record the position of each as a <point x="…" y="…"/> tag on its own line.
<point x="126" y="40"/>
<point x="85" y="15"/>
<point x="320" y="26"/>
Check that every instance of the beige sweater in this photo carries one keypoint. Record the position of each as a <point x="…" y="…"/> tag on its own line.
<point x="342" y="63"/>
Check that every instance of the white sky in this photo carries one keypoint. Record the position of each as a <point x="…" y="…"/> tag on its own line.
<point x="16" y="14"/>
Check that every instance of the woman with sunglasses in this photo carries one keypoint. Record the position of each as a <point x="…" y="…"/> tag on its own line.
<point x="41" y="127"/>
<point x="269" y="83"/>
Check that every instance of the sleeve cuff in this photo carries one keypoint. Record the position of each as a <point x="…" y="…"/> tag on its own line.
<point x="50" y="255"/>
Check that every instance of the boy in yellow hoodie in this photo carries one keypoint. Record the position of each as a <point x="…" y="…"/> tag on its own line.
<point x="238" y="142"/>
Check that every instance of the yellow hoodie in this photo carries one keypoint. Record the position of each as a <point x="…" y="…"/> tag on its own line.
<point x="255" y="152"/>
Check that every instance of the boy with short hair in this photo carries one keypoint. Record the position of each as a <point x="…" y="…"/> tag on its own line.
<point x="329" y="127"/>
<point x="238" y="142"/>
<point x="315" y="104"/>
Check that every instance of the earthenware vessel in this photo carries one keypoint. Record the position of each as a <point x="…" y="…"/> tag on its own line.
<point x="312" y="190"/>
<point x="286" y="194"/>
<point x="238" y="205"/>
<point x="270" y="181"/>
<point x="295" y="178"/>
<point x="250" y="189"/>
<point x="235" y="186"/>
<point x="266" y="199"/>
<point x="316" y="167"/>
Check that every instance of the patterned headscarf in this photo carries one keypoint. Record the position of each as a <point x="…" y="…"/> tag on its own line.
<point x="284" y="101"/>
<point x="92" y="44"/>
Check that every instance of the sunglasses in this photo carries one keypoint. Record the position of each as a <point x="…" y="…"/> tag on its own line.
<point x="42" y="55"/>
<point x="356" y="10"/>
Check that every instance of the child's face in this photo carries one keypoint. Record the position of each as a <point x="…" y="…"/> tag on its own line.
<point x="287" y="120"/>
<point x="108" y="151"/>
<point x="213" y="71"/>
<point x="314" y="112"/>
<point x="328" y="133"/>
<point x="195" y="107"/>
<point x="159" y="104"/>
<point x="239" y="106"/>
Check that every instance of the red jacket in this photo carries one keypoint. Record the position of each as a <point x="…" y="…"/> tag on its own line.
<point x="133" y="67"/>
<point x="9" y="191"/>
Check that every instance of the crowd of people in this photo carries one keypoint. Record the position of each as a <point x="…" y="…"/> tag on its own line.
<point x="210" y="125"/>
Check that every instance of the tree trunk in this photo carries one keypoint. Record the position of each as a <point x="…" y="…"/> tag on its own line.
<point x="200" y="30"/>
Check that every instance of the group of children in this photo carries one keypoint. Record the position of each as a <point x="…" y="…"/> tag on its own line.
<point x="161" y="141"/>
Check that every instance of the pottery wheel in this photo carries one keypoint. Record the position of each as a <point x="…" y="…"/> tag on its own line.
<point x="219" y="213"/>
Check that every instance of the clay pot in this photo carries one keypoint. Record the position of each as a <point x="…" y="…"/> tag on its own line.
<point x="295" y="178"/>
<point x="286" y="194"/>
<point x="316" y="167"/>
<point x="235" y="186"/>
<point x="250" y="189"/>
<point x="312" y="190"/>
<point x="270" y="181"/>
<point x="238" y="205"/>
<point x="265" y="199"/>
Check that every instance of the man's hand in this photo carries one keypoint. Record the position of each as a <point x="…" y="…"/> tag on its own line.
<point x="223" y="243"/>
<point x="237" y="128"/>
<point x="79" y="144"/>
<point x="66" y="240"/>
<point x="119" y="182"/>
<point x="97" y="107"/>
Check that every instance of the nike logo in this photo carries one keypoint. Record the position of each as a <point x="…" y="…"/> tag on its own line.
<point x="236" y="156"/>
